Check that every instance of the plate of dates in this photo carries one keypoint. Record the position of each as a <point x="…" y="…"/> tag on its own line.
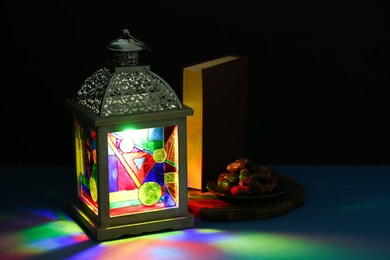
<point x="244" y="182"/>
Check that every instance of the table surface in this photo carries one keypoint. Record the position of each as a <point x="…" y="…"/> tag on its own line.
<point x="346" y="215"/>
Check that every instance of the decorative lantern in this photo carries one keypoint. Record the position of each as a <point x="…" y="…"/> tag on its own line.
<point x="130" y="149"/>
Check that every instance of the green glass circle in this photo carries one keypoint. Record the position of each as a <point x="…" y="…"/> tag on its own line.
<point x="93" y="189"/>
<point x="149" y="193"/>
<point x="159" y="155"/>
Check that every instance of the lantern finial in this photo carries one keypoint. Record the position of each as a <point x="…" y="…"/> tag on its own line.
<point x="127" y="43"/>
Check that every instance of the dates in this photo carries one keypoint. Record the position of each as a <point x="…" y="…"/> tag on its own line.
<point x="244" y="178"/>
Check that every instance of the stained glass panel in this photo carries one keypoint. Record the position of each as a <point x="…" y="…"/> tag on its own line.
<point x="143" y="170"/>
<point x="86" y="168"/>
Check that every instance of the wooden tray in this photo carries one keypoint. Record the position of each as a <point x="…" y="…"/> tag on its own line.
<point x="207" y="206"/>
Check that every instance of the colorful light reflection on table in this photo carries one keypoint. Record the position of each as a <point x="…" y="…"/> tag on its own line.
<point x="337" y="222"/>
<point x="47" y="234"/>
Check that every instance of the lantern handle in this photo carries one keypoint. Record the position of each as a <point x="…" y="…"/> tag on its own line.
<point x="126" y="35"/>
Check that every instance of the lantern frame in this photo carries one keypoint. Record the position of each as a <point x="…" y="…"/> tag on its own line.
<point x="104" y="227"/>
<point x="99" y="222"/>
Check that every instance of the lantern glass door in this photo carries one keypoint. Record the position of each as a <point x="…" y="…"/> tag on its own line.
<point x="86" y="166"/>
<point x="143" y="170"/>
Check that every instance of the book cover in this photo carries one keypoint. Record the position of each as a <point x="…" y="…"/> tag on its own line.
<point x="216" y="90"/>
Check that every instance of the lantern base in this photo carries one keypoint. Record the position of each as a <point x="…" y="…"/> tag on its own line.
<point x="115" y="232"/>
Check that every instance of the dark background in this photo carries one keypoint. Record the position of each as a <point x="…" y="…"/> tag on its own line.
<point x="318" y="77"/>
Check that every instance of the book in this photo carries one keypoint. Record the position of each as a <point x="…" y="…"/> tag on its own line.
<point x="216" y="91"/>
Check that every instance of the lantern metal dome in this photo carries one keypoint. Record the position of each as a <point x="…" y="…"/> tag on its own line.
<point x="126" y="87"/>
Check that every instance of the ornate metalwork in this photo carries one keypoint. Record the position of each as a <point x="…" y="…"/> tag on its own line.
<point x="92" y="90"/>
<point x="130" y="89"/>
<point x="138" y="92"/>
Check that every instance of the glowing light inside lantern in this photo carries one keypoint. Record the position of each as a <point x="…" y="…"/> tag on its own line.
<point x="138" y="162"/>
<point x="127" y="145"/>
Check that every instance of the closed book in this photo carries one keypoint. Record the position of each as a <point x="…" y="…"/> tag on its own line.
<point x="216" y="90"/>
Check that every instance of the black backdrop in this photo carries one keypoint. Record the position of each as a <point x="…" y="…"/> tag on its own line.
<point x="318" y="79"/>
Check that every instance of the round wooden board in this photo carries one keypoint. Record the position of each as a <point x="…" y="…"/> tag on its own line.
<point x="207" y="206"/>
